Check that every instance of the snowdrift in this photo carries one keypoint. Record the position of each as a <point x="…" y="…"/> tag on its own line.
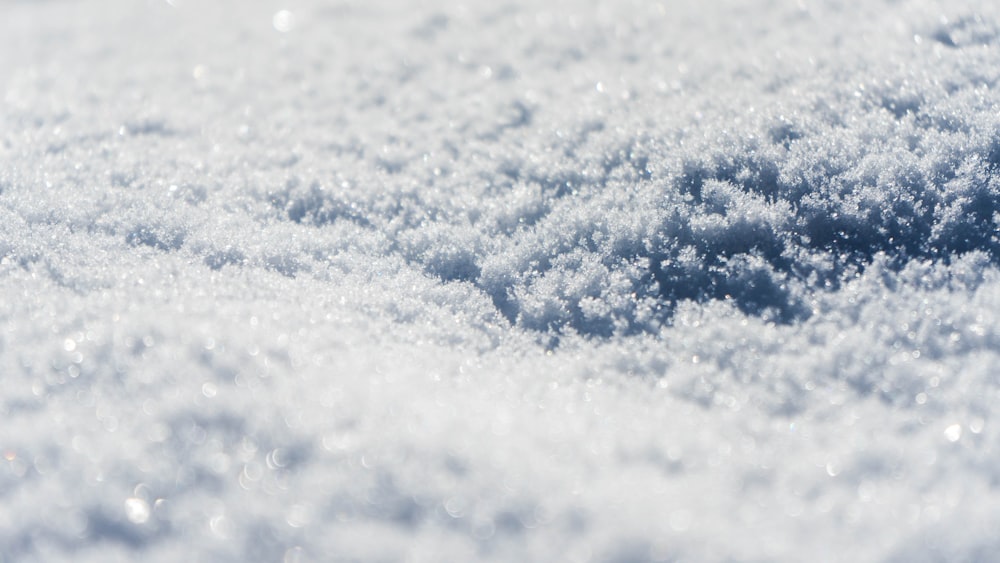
<point x="563" y="280"/>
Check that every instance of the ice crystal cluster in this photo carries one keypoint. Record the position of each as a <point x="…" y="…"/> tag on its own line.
<point x="554" y="280"/>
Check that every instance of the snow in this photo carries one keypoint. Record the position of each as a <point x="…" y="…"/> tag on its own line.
<point x="564" y="280"/>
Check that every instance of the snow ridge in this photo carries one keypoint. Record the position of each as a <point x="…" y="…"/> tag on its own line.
<point x="794" y="199"/>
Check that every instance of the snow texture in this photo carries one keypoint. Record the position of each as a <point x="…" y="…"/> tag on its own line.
<point x="555" y="280"/>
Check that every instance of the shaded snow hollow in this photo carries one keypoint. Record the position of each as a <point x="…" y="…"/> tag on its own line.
<point x="560" y="280"/>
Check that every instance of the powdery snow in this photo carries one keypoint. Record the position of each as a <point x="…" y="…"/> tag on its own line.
<point x="562" y="280"/>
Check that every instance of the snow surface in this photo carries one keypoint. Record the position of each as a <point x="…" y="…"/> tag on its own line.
<point x="553" y="280"/>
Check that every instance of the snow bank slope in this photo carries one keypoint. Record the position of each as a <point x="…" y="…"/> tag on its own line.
<point x="608" y="281"/>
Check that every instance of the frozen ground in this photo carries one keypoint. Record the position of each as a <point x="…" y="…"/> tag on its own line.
<point x="558" y="280"/>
